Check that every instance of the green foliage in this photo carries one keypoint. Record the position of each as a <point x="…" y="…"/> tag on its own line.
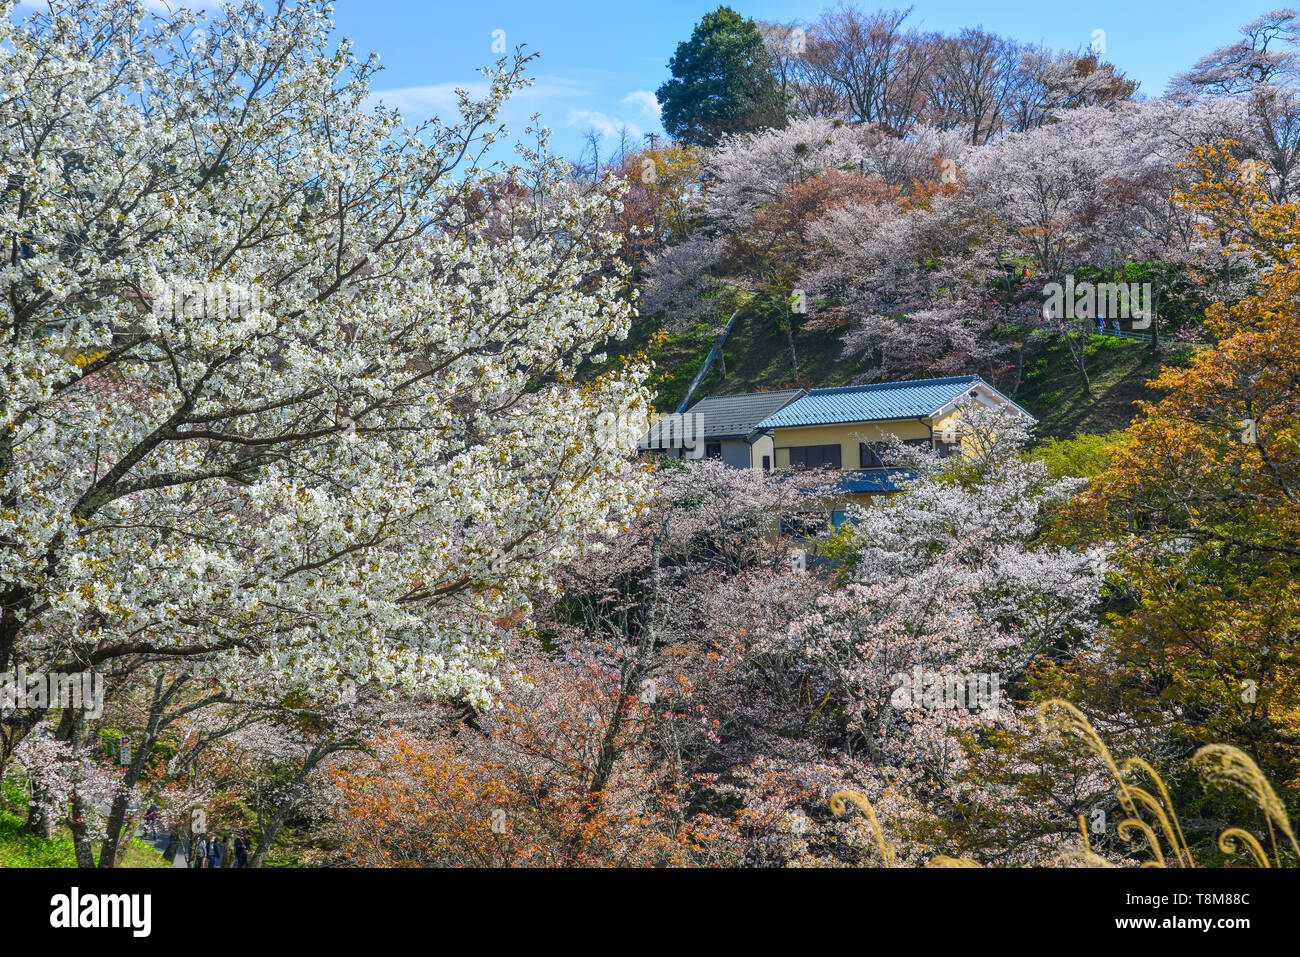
<point x="1098" y="345"/>
<point x="18" y="849"/>
<point x="722" y="82"/>
<point x="12" y="793"/>
<point x="1179" y="293"/>
<point x="840" y="547"/>
<point x="1083" y="456"/>
<point x="677" y="359"/>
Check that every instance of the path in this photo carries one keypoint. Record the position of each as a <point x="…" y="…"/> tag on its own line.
<point x="160" y="843"/>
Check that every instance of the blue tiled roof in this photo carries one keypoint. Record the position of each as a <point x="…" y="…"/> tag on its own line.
<point x="873" y="480"/>
<point x="876" y="402"/>
<point x="859" y="480"/>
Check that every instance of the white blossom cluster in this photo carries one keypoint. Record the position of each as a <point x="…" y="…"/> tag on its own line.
<point x="948" y="577"/>
<point x="355" y="480"/>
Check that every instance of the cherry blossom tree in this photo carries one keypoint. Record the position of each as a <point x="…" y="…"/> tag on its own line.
<point x="594" y="757"/>
<point x="1262" y="72"/>
<point x="279" y="393"/>
<point x="944" y="582"/>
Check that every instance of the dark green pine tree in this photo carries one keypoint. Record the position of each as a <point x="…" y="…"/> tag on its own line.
<point x="723" y="82"/>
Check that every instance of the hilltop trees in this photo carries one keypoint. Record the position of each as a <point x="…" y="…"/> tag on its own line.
<point x="873" y="68"/>
<point x="1007" y="168"/>
<point x="869" y="202"/>
<point x="762" y="192"/>
<point x="1262" y="72"/>
<point x="877" y="67"/>
<point x="278" y="393"/>
<point x="951" y="275"/>
<point x="722" y="82"/>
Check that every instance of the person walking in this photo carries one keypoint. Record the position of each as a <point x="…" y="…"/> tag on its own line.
<point x="151" y="821"/>
<point x="241" y="850"/>
<point x="200" y="851"/>
<point x="214" y="852"/>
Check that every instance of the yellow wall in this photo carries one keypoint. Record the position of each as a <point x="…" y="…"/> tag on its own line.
<point x="947" y="421"/>
<point x="847" y="436"/>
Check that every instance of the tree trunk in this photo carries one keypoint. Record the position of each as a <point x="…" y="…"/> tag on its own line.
<point x="628" y="684"/>
<point x="789" y="337"/>
<point x="174" y="845"/>
<point x="77" y="723"/>
<point x="82" y="847"/>
<point x="1020" y="368"/>
<point x="14" y="726"/>
<point x="127" y="833"/>
<point x="319" y="751"/>
<point x="1078" y="354"/>
<point x="121" y="826"/>
<point x="116" y="832"/>
<point x="267" y="837"/>
<point x="1155" y="318"/>
<point x="39" y="822"/>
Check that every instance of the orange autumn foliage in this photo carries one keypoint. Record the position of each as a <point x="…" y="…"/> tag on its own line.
<point x="1202" y="500"/>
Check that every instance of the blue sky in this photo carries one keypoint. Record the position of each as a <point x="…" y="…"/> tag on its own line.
<point x="599" y="60"/>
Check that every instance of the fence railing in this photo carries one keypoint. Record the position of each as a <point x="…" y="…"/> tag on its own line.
<point x="1122" y="333"/>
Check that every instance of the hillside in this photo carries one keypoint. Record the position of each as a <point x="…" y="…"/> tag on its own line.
<point x="757" y="358"/>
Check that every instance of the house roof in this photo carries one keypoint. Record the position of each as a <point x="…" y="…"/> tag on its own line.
<point x="877" y="402"/>
<point x="736" y="416"/>
<point x="854" y="480"/>
<point x="873" y="480"/>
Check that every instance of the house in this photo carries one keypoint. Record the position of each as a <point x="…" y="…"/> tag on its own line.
<point x="726" y="424"/>
<point x="839" y="429"/>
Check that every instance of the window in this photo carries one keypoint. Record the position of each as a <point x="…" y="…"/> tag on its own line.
<point x="815" y="457"/>
<point x="945" y="449"/>
<point x="767" y="463"/>
<point x="713" y="450"/>
<point x="871" y="454"/>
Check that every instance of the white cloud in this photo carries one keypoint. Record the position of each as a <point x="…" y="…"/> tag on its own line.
<point x="603" y="124"/>
<point x="422" y="102"/>
<point x="563" y="103"/>
<point x="647" y="101"/>
<point x="418" y="103"/>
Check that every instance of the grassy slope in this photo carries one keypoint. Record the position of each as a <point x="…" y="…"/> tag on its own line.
<point x="757" y="359"/>
<point x="25" y="850"/>
<point x="1118" y="370"/>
